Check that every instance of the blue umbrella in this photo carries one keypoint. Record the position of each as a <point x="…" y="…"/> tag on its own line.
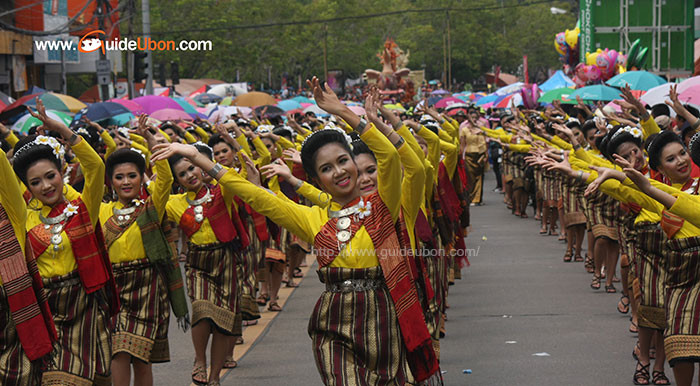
<point x="303" y="99"/>
<point x="487" y="99"/>
<point x="558" y="80"/>
<point x="99" y="112"/>
<point x="596" y="92"/>
<point x="289" y="104"/>
<point x="637" y="80"/>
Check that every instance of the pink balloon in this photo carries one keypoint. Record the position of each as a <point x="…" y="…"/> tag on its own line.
<point x="593" y="73"/>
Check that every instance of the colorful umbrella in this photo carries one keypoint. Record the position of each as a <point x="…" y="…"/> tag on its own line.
<point x="487" y="99"/>
<point x="561" y="94"/>
<point x="270" y="111"/>
<point x="121" y="119"/>
<point x="656" y="95"/>
<point x="170" y="114"/>
<point x="506" y="102"/>
<point x="134" y="107"/>
<point x="228" y="101"/>
<point x="303" y="99"/>
<point x="509" y="89"/>
<point x="439" y="92"/>
<point x="16" y="107"/>
<point x="689" y="90"/>
<point x="316" y="110"/>
<point x="289" y="104"/>
<point x="254" y="99"/>
<point x="596" y="92"/>
<point x="206" y="98"/>
<point x="101" y="111"/>
<point x="152" y="103"/>
<point x="26" y="122"/>
<point x="60" y="102"/>
<point x="189" y="109"/>
<point x="396" y="107"/>
<point x="358" y="110"/>
<point x="637" y="80"/>
<point x="446" y="102"/>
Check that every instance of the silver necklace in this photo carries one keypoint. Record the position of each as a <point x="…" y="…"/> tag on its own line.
<point x="197" y="204"/>
<point x="344" y="217"/>
<point x="54" y="224"/>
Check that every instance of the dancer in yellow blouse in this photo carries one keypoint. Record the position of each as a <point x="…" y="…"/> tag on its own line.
<point x="349" y="237"/>
<point x="66" y="237"/>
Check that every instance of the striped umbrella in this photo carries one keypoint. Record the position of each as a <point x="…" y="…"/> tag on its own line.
<point x="59" y="102"/>
<point x="26" y="122"/>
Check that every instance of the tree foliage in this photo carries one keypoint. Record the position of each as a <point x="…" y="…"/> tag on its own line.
<point x="479" y="39"/>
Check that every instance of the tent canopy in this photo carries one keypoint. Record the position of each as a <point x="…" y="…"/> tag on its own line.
<point x="558" y="80"/>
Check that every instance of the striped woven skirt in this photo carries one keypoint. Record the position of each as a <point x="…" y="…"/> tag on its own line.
<point x="603" y="212"/>
<point x="573" y="213"/>
<point x="651" y="268"/>
<point x="84" y="351"/>
<point x="550" y="190"/>
<point x="212" y="285"/>
<point x="142" y="322"/>
<point x="15" y="367"/>
<point x="682" y="334"/>
<point x="356" y="337"/>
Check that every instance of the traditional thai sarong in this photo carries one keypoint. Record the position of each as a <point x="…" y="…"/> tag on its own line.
<point x="84" y="352"/>
<point x="355" y="333"/>
<point x="142" y="322"/>
<point x="604" y="213"/>
<point x="650" y="258"/>
<point x="16" y="369"/>
<point x="573" y="213"/>
<point x="246" y="270"/>
<point x="682" y="334"/>
<point x="475" y="169"/>
<point x="518" y="170"/>
<point x="212" y="285"/>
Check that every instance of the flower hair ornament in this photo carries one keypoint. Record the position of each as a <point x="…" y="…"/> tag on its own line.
<point x="264" y="129"/>
<point x="330" y="126"/>
<point x="204" y="145"/>
<point x="574" y="120"/>
<point x="135" y="150"/>
<point x="51" y="142"/>
<point x="633" y="131"/>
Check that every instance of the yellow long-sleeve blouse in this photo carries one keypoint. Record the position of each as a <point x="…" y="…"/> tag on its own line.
<point x="11" y="199"/>
<point x="129" y="246"/>
<point x="57" y="263"/>
<point x="413" y="183"/>
<point x="306" y="222"/>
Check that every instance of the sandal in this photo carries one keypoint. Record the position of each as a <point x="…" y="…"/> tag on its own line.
<point x="274" y="307"/>
<point x="641" y="374"/>
<point x="578" y="258"/>
<point x="297" y="273"/>
<point x="524" y="215"/>
<point x="637" y="350"/>
<point x="610" y="289"/>
<point x="239" y="340"/>
<point x="261" y="300"/>
<point x="291" y="284"/>
<point x="229" y="363"/>
<point x="622" y="306"/>
<point x="199" y="375"/>
<point x="595" y="283"/>
<point x="567" y="256"/>
<point x="590" y="268"/>
<point x="543" y="231"/>
<point x="633" y="327"/>
<point x="562" y="237"/>
<point x="659" y="378"/>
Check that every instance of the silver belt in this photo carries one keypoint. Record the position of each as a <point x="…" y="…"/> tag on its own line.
<point x="63" y="283"/>
<point x="354" y="285"/>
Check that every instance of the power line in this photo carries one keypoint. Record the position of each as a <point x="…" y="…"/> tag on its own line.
<point x="355" y="17"/>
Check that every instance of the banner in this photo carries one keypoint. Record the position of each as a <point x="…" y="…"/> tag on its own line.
<point x="586" y="41"/>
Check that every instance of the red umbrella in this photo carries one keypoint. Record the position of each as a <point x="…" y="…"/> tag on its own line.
<point x="17" y="107"/>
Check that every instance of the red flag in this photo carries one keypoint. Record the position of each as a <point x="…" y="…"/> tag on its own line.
<point x="525" y="72"/>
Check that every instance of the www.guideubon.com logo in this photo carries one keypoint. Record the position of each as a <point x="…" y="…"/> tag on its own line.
<point x="93" y="41"/>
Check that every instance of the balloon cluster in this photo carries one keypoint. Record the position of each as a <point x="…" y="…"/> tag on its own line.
<point x="566" y="44"/>
<point x="599" y="66"/>
<point x="530" y="95"/>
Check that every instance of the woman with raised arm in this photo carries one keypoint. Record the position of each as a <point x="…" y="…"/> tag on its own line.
<point x="144" y="263"/>
<point x="71" y="256"/>
<point x="27" y="330"/>
<point x="357" y="250"/>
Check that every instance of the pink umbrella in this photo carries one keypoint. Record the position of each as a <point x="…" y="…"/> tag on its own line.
<point x="689" y="90"/>
<point x="614" y="106"/>
<point x="446" y="102"/>
<point x="305" y="105"/>
<point x="152" y="103"/>
<point x="359" y="110"/>
<point x="134" y="107"/>
<point x="170" y="114"/>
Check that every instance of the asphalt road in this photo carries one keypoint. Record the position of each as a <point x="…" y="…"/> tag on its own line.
<point x="519" y="316"/>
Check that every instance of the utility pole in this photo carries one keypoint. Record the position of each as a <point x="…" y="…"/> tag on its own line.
<point x="444" y="58"/>
<point x="325" y="51"/>
<point x="101" y="11"/>
<point x="146" y="15"/>
<point x="449" y="54"/>
<point x="130" y="55"/>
